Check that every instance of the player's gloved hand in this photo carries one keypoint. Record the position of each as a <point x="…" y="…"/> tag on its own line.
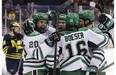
<point x="92" y="70"/>
<point x="51" y="14"/>
<point x="102" y="27"/>
<point x="54" y="37"/>
<point x="106" y="27"/>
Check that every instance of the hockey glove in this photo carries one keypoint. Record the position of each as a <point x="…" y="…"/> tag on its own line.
<point x="102" y="27"/>
<point x="54" y="37"/>
<point x="105" y="28"/>
<point x="92" y="70"/>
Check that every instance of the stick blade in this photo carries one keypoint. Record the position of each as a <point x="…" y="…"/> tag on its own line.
<point x="64" y="5"/>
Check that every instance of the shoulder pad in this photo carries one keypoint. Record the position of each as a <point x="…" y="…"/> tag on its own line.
<point x="35" y="33"/>
<point x="96" y="30"/>
<point x="7" y="36"/>
<point x="83" y="29"/>
<point x="67" y="32"/>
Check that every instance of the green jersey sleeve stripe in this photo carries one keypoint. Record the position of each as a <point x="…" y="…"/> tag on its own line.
<point x="104" y="42"/>
<point x="51" y="56"/>
<point x="76" y="59"/>
<point x="107" y="41"/>
<point x="41" y="53"/>
<point x="96" y="57"/>
<point x="99" y="54"/>
<point x="49" y="64"/>
<point x="103" y="64"/>
<point x="98" y="49"/>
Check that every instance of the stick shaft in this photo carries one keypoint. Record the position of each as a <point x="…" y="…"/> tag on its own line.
<point x="59" y="10"/>
<point x="109" y="65"/>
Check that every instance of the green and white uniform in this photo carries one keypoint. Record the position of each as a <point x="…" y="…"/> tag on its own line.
<point x="35" y="54"/>
<point x="33" y="57"/>
<point x="50" y="56"/>
<point x="106" y="24"/>
<point x="89" y="15"/>
<point x="76" y="49"/>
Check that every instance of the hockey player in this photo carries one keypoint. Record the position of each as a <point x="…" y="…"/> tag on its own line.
<point x="12" y="47"/>
<point x="32" y="39"/>
<point x="62" y="22"/>
<point x="50" y="57"/>
<point x="75" y="45"/>
<point x="41" y="25"/>
<point x="86" y="20"/>
<point x="106" y="22"/>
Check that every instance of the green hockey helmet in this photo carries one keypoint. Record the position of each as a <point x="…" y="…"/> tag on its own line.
<point x="72" y="19"/>
<point x="28" y="26"/>
<point x="39" y="16"/>
<point x="62" y="17"/>
<point x="86" y="15"/>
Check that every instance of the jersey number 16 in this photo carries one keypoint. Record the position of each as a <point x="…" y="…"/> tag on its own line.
<point x="80" y="51"/>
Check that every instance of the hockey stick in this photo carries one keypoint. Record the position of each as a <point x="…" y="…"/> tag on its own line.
<point x="19" y="67"/>
<point x="59" y="10"/>
<point x="109" y="65"/>
<point x="101" y="69"/>
<point x="75" y="7"/>
<point x="64" y="5"/>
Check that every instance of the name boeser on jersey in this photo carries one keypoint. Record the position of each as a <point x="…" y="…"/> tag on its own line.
<point x="74" y="36"/>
